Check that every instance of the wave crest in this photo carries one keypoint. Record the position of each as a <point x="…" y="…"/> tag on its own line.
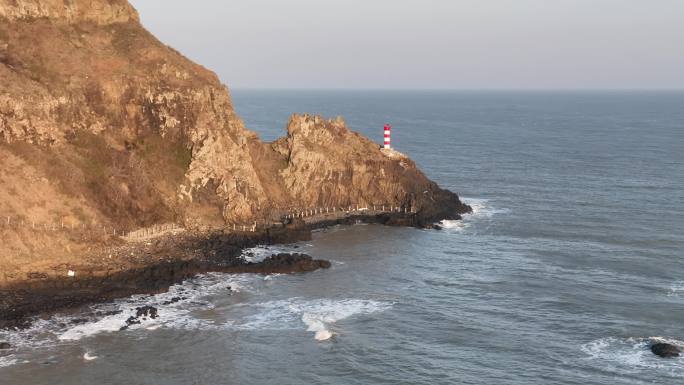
<point x="317" y="315"/>
<point x="482" y="210"/>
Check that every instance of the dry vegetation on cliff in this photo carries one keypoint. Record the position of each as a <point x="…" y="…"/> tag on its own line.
<point x="100" y="123"/>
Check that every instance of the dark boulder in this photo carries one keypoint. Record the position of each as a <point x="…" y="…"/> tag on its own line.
<point x="5" y="345"/>
<point x="146" y="311"/>
<point x="665" y="350"/>
<point x="143" y="312"/>
<point x="173" y="300"/>
<point x="292" y="263"/>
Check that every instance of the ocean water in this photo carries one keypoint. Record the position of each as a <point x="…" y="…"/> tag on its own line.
<point x="571" y="262"/>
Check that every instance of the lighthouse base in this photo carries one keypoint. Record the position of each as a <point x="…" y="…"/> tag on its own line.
<point x="392" y="153"/>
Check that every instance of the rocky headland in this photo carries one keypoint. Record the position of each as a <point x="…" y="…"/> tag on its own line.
<point x="105" y="132"/>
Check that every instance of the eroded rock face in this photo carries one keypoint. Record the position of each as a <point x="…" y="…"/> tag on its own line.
<point x="330" y="165"/>
<point x="106" y="125"/>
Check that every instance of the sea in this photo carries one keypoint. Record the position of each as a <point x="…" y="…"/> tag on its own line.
<point x="570" y="265"/>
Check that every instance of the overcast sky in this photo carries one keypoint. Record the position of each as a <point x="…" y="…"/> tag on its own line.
<point x="427" y="44"/>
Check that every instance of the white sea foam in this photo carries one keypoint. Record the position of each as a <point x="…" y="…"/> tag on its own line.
<point x="271" y="277"/>
<point x="88" y="356"/>
<point x="259" y="253"/>
<point x="453" y="225"/>
<point x="175" y="307"/>
<point x="256" y="254"/>
<point x="482" y="209"/>
<point x="630" y="354"/>
<point x="676" y="289"/>
<point x="34" y="336"/>
<point x="319" y="316"/>
<point x="107" y="324"/>
<point x="8" y="361"/>
<point x="179" y="308"/>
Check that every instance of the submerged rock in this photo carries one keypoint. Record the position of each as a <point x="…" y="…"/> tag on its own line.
<point x="665" y="350"/>
<point x="5" y="345"/>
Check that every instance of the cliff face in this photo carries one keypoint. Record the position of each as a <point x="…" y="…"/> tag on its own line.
<point x="326" y="164"/>
<point x="100" y="123"/>
<point x="69" y="11"/>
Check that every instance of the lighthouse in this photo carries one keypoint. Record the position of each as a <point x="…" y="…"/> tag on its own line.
<point x="388" y="131"/>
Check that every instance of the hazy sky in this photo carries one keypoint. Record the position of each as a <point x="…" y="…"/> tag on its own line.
<point x="452" y="44"/>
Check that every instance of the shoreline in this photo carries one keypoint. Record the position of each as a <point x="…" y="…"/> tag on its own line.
<point x="169" y="260"/>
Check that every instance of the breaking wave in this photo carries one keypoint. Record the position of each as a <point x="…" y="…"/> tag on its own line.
<point x="259" y="253"/>
<point x="318" y="316"/>
<point x="482" y="210"/>
<point x="180" y="309"/>
<point x="630" y="354"/>
<point x="175" y="310"/>
<point x="175" y="307"/>
<point x="8" y="361"/>
<point x="676" y="289"/>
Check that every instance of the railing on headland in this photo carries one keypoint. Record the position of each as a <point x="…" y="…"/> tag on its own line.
<point x="100" y="231"/>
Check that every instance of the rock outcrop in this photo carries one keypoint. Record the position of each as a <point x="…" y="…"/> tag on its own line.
<point x="103" y="125"/>
<point x="69" y="11"/>
<point x="665" y="350"/>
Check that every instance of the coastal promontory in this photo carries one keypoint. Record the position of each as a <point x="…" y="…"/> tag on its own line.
<point x="106" y="132"/>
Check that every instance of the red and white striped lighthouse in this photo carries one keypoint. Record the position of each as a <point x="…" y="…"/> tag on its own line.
<point x="388" y="131"/>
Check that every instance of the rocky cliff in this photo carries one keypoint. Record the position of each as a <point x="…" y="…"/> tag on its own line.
<point x="103" y="125"/>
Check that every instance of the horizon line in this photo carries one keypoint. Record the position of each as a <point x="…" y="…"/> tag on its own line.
<point x="459" y="89"/>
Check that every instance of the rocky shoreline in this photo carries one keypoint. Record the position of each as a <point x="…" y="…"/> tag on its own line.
<point x="170" y="260"/>
<point x="104" y="129"/>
